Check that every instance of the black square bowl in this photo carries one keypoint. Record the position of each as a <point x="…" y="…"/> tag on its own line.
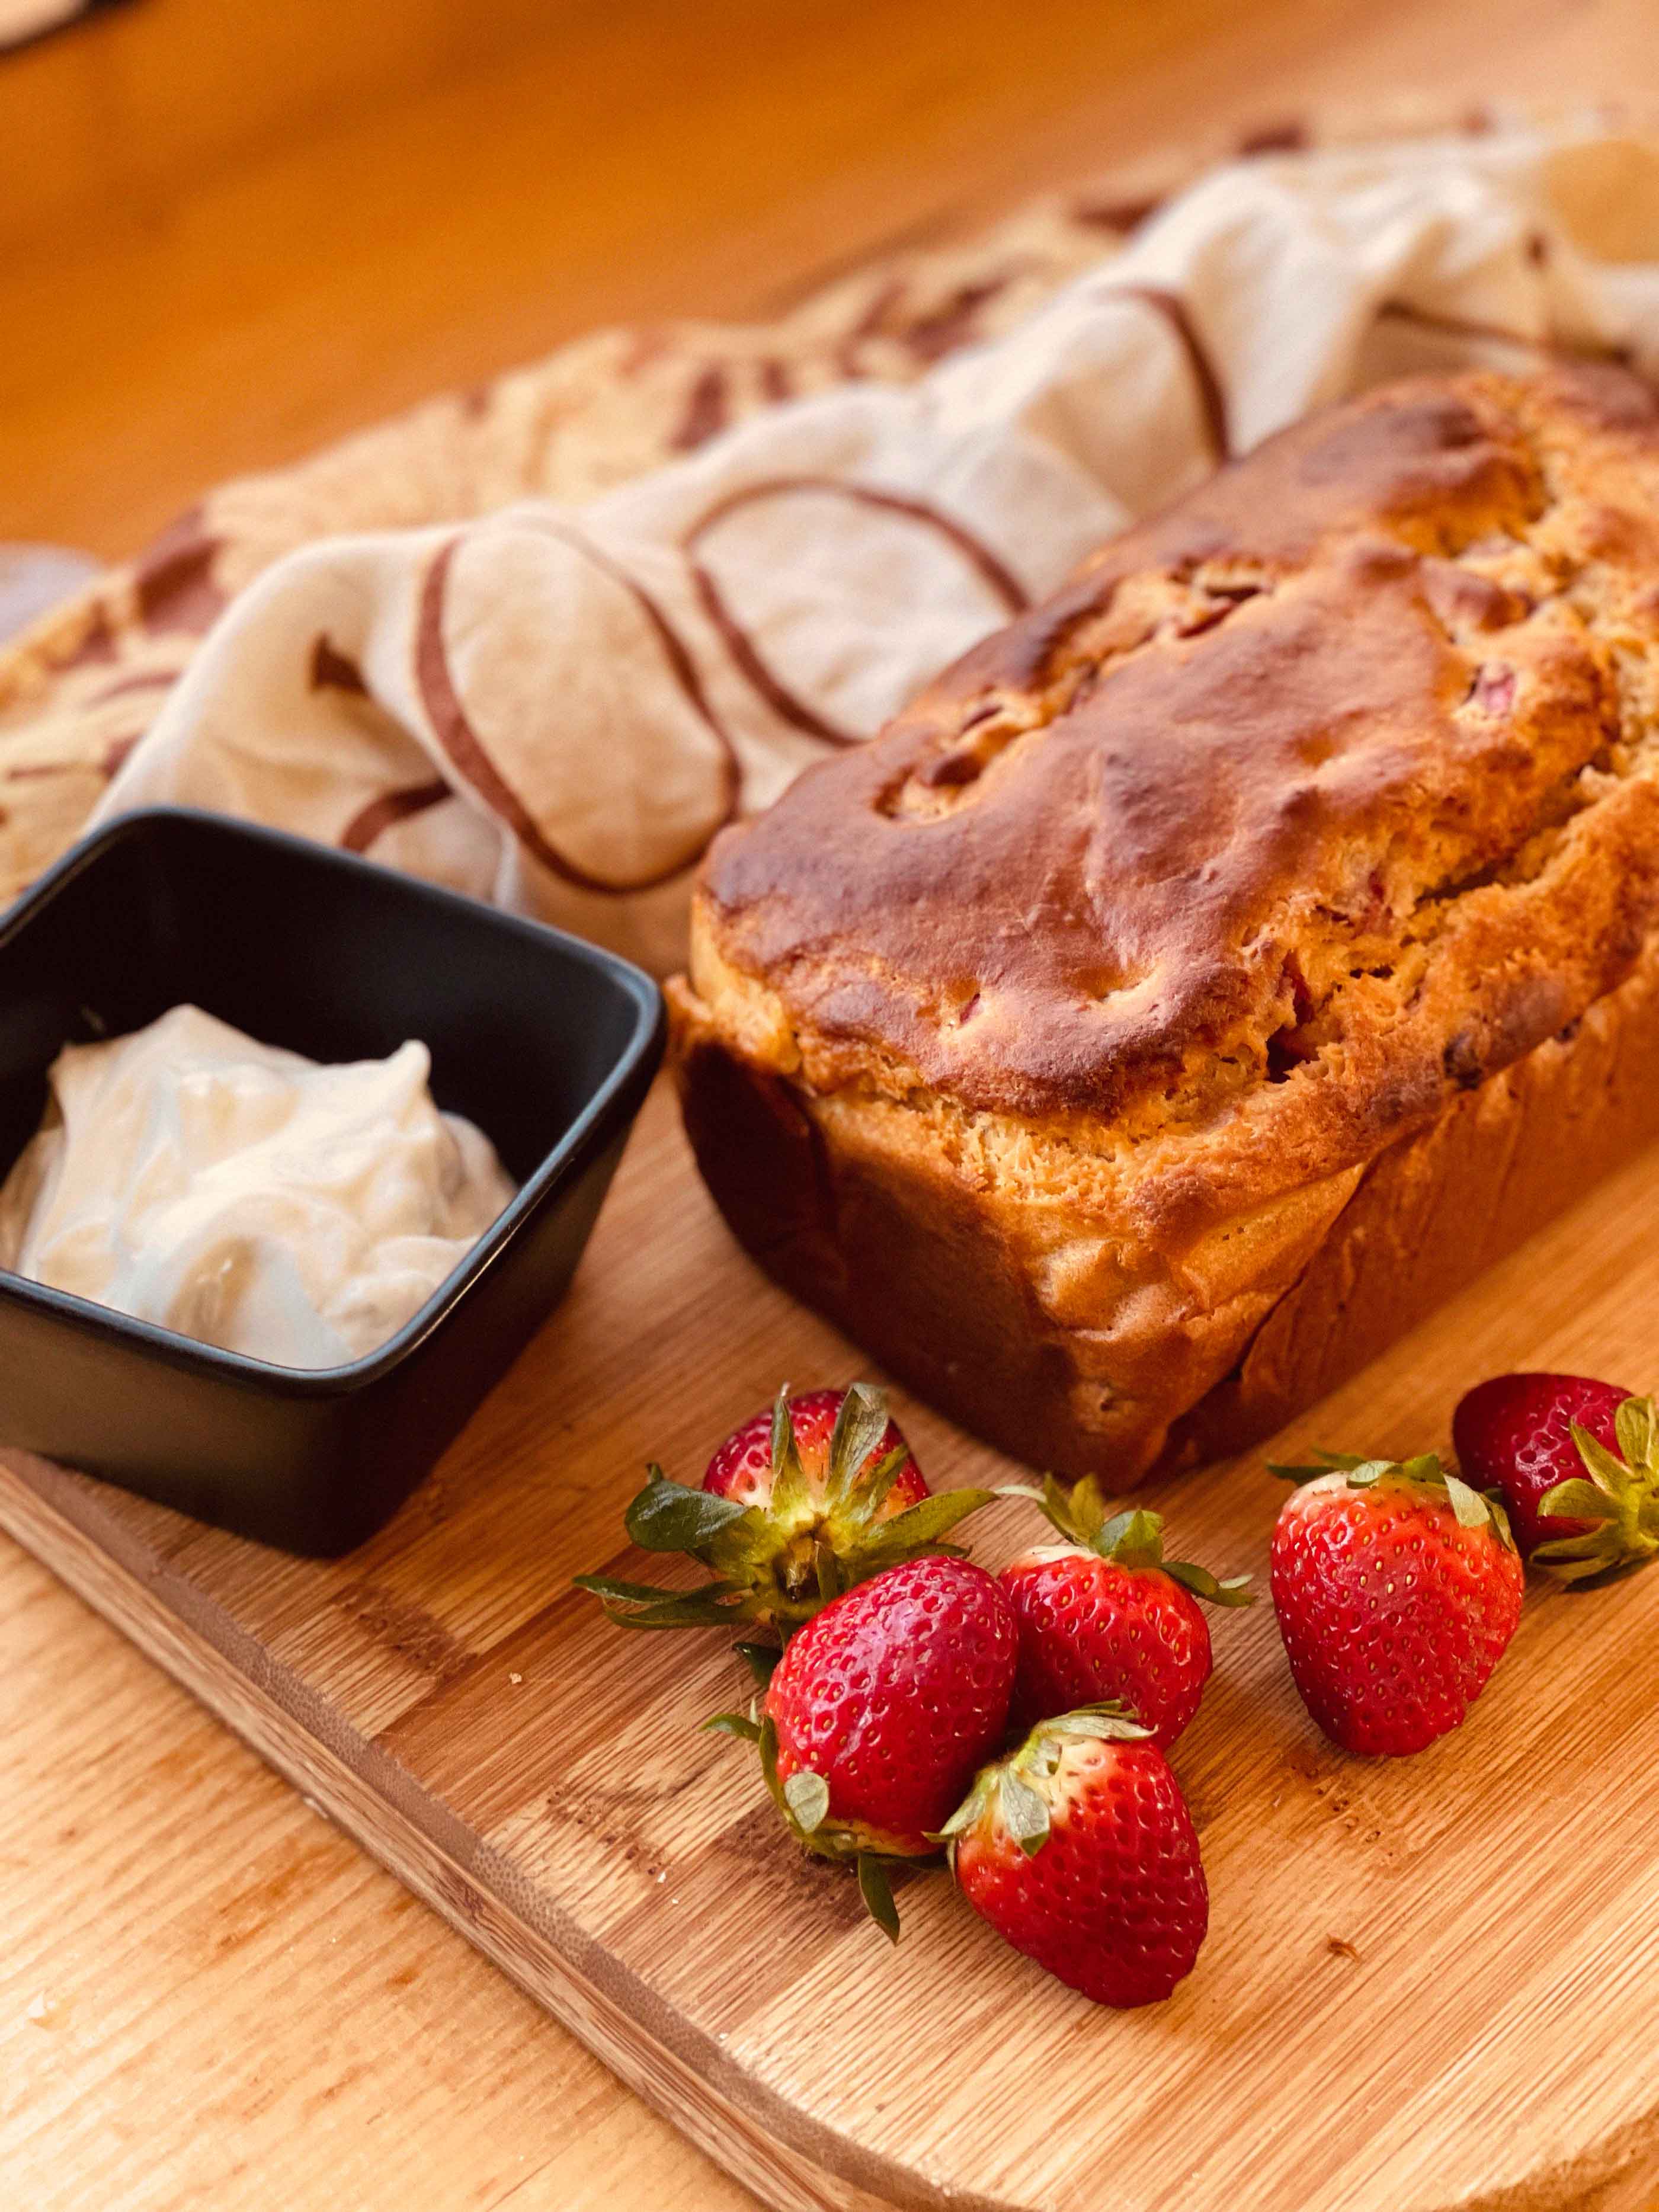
<point x="547" y="1043"/>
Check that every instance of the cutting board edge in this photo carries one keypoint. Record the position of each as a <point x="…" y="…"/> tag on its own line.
<point x="791" y="2163"/>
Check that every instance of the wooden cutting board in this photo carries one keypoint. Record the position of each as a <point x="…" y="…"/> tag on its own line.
<point x="1431" y="1984"/>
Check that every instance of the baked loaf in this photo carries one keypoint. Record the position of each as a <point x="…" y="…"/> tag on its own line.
<point x="1221" y="965"/>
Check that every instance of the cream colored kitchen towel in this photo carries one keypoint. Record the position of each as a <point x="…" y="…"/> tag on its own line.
<point x="82" y="686"/>
<point x="557" y="705"/>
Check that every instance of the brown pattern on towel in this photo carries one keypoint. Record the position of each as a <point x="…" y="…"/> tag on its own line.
<point x="746" y="654"/>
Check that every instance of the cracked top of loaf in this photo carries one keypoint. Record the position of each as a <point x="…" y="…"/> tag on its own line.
<point x="1329" y="792"/>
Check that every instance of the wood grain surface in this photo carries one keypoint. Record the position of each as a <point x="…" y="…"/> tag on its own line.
<point x="1389" y="2013"/>
<point x="228" y="236"/>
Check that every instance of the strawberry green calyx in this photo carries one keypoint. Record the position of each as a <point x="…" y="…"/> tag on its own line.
<point x="1130" y="1538"/>
<point x="802" y="1799"/>
<point x="775" y="1564"/>
<point x="1473" y="1509"/>
<point x="1017" y="1784"/>
<point x="1617" y="1492"/>
<point x="1019" y="1787"/>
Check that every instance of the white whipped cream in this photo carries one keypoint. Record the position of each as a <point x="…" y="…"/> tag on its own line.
<point x="245" y="1195"/>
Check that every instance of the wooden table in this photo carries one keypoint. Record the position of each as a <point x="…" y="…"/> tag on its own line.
<point x="217" y="247"/>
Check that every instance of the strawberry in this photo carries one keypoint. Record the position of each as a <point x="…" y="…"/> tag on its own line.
<point x="744" y="1467"/>
<point x="1107" y="1616"/>
<point x="1397" y="1588"/>
<point x="798" y="1505"/>
<point x="879" y="1711"/>
<point x="1586" y="1449"/>
<point x="1080" y="1851"/>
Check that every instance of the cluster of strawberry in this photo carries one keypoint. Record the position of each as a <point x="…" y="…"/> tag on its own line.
<point x="893" y="1671"/>
<point x="1398" y="1584"/>
<point x="910" y="1704"/>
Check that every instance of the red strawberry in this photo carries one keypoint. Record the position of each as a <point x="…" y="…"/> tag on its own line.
<point x="1397" y="1588"/>
<point x="1575" y="1443"/>
<point x="744" y="1467"/>
<point x="1080" y="1851"/>
<point x="880" y="1710"/>
<point x="798" y="1505"/>
<point x="1106" y="1616"/>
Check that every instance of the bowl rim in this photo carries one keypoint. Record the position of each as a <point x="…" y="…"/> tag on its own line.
<point x="612" y="1105"/>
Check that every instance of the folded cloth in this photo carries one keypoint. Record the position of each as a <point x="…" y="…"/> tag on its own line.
<point x="555" y="706"/>
<point x="80" y="686"/>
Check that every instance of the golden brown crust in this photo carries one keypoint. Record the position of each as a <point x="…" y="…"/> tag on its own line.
<point x="910" y="1268"/>
<point x="1029" y="1323"/>
<point x="1279" y="871"/>
<point x="1090" y="992"/>
<point x="1433" y="1212"/>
